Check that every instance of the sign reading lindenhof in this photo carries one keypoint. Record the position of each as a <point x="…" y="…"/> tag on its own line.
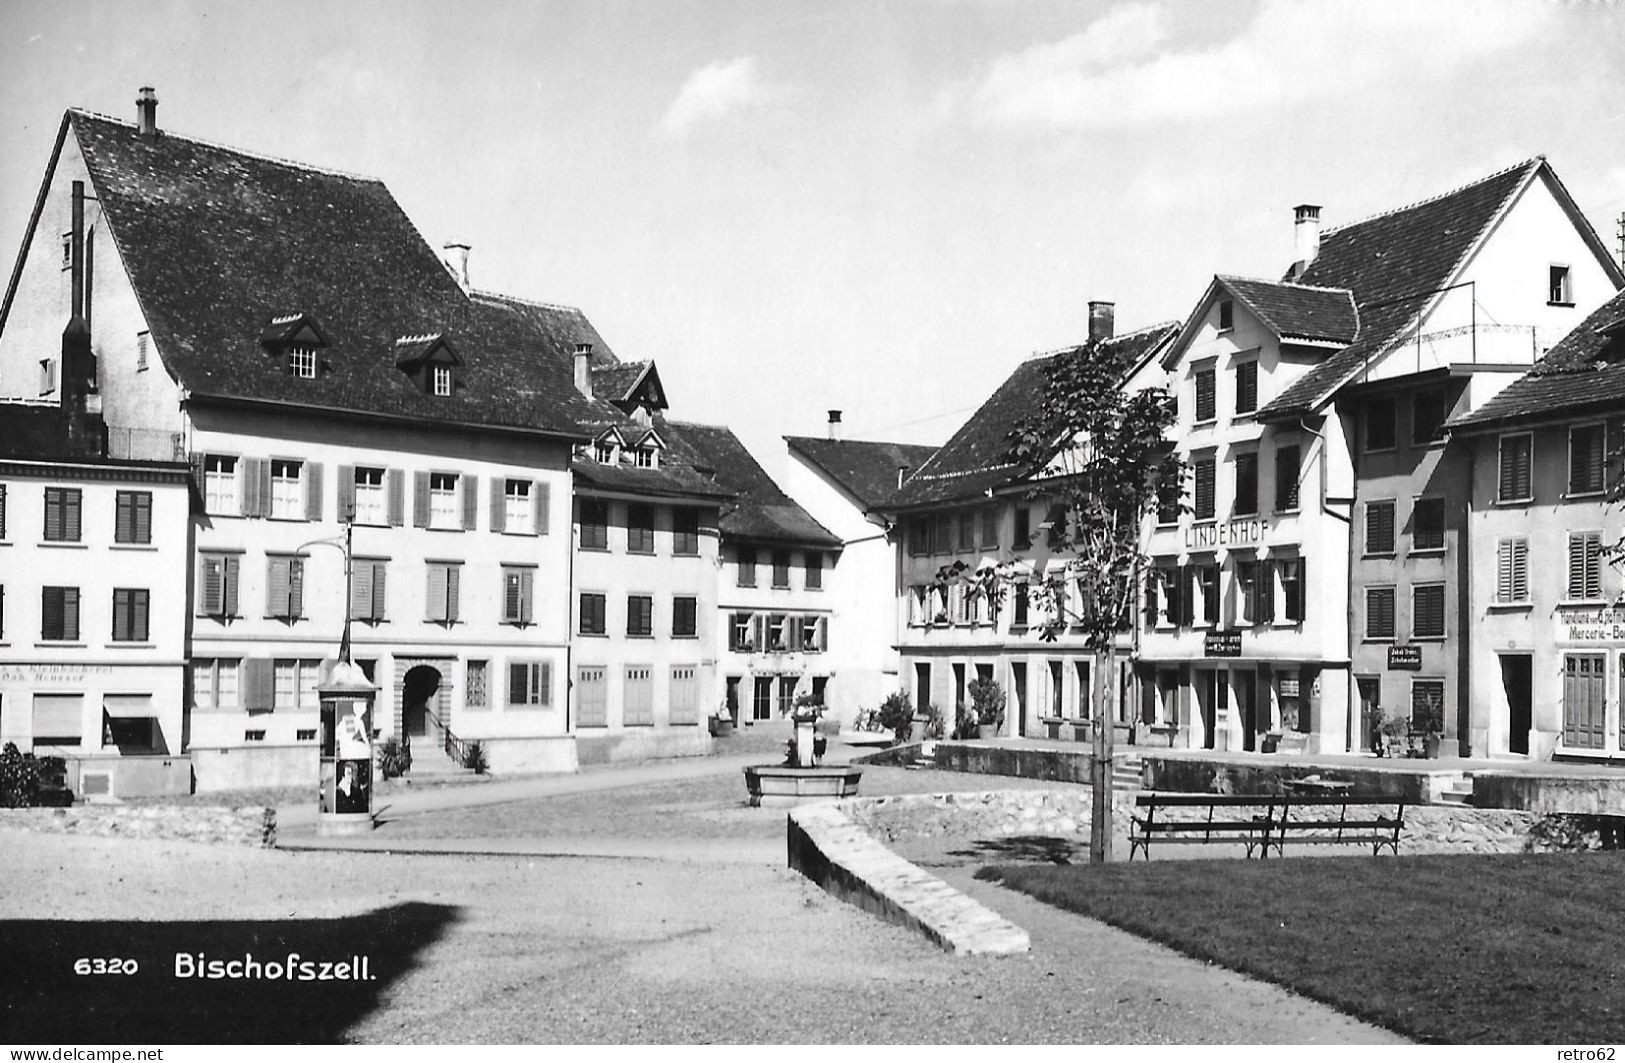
<point x="1235" y="533"/>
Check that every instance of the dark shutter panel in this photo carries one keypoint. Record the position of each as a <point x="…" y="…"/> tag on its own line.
<point x="313" y="490"/>
<point x="471" y="500"/>
<point x="518" y="683"/>
<point x="437" y="593"/>
<point x="53" y="514"/>
<point x="70" y="613"/>
<point x="296" y="587"/>
<point x="276" y="598"/>
<point x="210" y="579"/>
<point x="143" y="517"/>
<point x="346" y="494"/>
<point x="229" y="594"/>
<point x="395" y="480"/>
<point x="454" y="579"/>
<point x="1266" y="591"/>
<point x="361" y="590"/>
<point x="499" y="504"/>
<point x="121" y="615"/>
<point x="249" y="499"/>
<point x="420" y="499"/>
<point x="2" y="511"/>
<point x="51" y="613"/>
<point x="70" y="515"/>
<point x="263" y="474"/>
<point x="540" y="495"/>
<point x="527" y="588"/>
<point x="139" y="617"/>
<point x="258" y="683"/>
<point x="124" y="517"/>
<point x="378" y="590"/>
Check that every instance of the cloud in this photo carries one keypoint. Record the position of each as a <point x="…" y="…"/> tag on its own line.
<point x="714" y="91"/>
<point x="1117" y="73"/>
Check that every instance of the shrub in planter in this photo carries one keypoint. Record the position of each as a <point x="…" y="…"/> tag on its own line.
<point x="474" y="758"/>
<point x="896" y="714"/>
<point x="394" y="758"/>
<point x="987" y="702"/>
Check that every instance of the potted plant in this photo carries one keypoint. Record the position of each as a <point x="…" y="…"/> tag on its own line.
<point x="1394" y="731"/>
<point x="896" y="714"/>
<point x="1431" y="723"/>
<point x="987" y="706"/>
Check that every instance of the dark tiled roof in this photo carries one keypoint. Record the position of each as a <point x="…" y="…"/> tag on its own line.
<point x="32" y="431"/>
<point x="762" y="512"/>
<point x="673" y="478"/>
<point x="219" y="242"/>
<point x="1297" y="311"/>
<point x="1583" y="374"/>
<point x="1385" y="261"/>
<point x="615" y="382"/>
<point x="866" y="470"/>
<point x="978" y="456"/>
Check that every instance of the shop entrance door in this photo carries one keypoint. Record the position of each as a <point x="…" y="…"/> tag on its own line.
<point x="1517" y="679"/>
<point x="1370" y="710"/>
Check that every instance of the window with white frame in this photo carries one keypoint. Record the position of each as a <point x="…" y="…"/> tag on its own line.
<point x="778" y="633"/>
<point x="1255" y="592"/>
<point x="444" y="510"/>
<point x="1512" y="571"/>
<point x="645" y="457"/>
<point x="518" y="515"/>
<point x="220" y="492"/>
<point x="1289" y="573"/>
<point x="530" y="684"/>
<point x="605" y="452"/>
<point x="1207" y="586"/>
<point x="1559" y="285"/>
<point x="1585" y="565"/>
<point x="294" y="684"/>
<point x="475" y="695"/>
<point x="214" y="683"/>
<point x="287" y="490"/>
<point x="440" y="380"/>
<point x="518" y="585"/>
<point x="371" y="506"/>
<point x="302" y="362"/>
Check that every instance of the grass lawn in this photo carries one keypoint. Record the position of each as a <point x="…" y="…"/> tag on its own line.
<point x="1456" y="949"/>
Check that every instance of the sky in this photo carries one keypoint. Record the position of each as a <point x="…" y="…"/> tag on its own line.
<point x="877" y="207"/>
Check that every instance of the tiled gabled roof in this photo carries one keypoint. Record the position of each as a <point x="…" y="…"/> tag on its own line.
<point x="977" y="458"/>
<point x="219" y="242"/>
<point x="867" y="470"/>
<point x="762" y="511"/>
<point x="1392" y="263"/>
<point x="614" y="383"/>
<point x="1298" y="311"/>
<point x="1581" y="376"/>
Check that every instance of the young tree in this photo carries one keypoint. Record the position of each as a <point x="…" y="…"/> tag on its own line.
<point x="1100" y="455"/>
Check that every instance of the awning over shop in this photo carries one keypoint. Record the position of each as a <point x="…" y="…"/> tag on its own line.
<point x="128" y="706"/>
<point x="58" y="715"/>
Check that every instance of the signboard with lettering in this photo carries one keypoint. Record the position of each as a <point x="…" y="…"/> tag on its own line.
<point x="1602" y="623"/>
<point x="1235" y="533"/>
<point x="1222" y="644"/>
<point x="1404" y="658"/>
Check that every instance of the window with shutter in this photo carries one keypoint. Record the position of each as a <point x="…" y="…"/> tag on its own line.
<point x="217" y="580"/>
<point x="1514" y="480"/>
<point x="530" y="684"/>
<point x="1206" y="401"/>
<point x="130" y="613"/>
<point x="132" y="517"/>
<point x="1428" y="412"/>
<point x="1427" y="525"/>
<point x="59" y="614"/>
<point x="685" y="531"/>
<point x="1286" y="479"/>
<point x="1379" y="528"/>
<point x="287" y="490"/>
<point x="1205" y="501"/>
<point x="444" y="580"/>
<point x="2" y="511"/>
<point x="1246" y="469"/>
<point x="1587" y="458"/>
<point x="1512" y="570"/>
<point x="1427" y="704"/>
<point x="517" y="586"/>
<point x="592" y="620"/>
<point x="1246" y="387"/>
<point x="684" y="616"/>
<point x="1379" y="612"/>
<point x="781" y="568"/>
<point x="746" y="562"/>
<point x="594" y="524"/>
<point x="285" y="583"/>
<point x="640" y="611"/>
<point x="640" y="529"/>
<point x="395" y="490"/>
<point x="1427" y="611"/>
<point x="62" y="514"/>
<point x="1585" y="565"/>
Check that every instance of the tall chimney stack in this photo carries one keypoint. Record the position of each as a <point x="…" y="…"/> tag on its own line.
<point x="1306" y="236"/>
<point x="835" y="424"/>
<point x="455" y="256"/>
<point x="584" y="369"/>
<point x="146" y="113"/>
<point x="78" y="367"/>
<point x="902" y="474"/>
<point x="1102" y="320"/>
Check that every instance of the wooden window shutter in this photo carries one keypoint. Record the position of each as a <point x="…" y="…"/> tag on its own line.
<point x="470" y="486"/>
<point x="276" y="601"/>
<point x="54" y="506"/>
<point x="518" y="683"/>
<point x="454" y="578"/>
<point x="346" y="494"/>
<point x="378" y="590"/>
<point x="296" y="587"/>
<point x="1265" y="590"/>
<point x="70" y="515"/>
<point x="70" y="613"/>
<point x="263" y="474"/>
<point x="143" y="518"/>
<point x="258" y="679"/>
<point x="420" y="500"/>
<point x="2" y="511"/>
<point x="231" y="566"/>
<point x="395" y="483"/>
<point x="313" y="490"/>
<point x="139" y="615"/>
<point x="121" y="615"/>
<point x="1503" y="571"/>
<point x="438" y="592"/>
<point x="361" y="590"/>
<point x="540" y="494"/>
<point x="499" y="504"/>
<point x="211" y="580"/>
<point x="527" y="589"/>
<point x="254" y="488"/>
<point x="544" y="683"/>
<point x="124" y="517"/>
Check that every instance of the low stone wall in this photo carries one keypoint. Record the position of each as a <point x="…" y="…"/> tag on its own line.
<point x="1052" y="765"/>
<point x="990" y="814"/>
<point x="1603" y="794"/>
<point x="640" y="743"/>
<point x="197" y="823"/>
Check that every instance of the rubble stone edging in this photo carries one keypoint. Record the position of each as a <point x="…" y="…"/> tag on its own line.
<point x="254" y="827"/>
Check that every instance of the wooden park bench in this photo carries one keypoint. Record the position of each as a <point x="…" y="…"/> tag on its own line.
<point x="1357" y="821"/>
<point x="1229" y="818"/>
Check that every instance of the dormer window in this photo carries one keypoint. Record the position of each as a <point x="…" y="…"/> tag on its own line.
<point x="647" y="453"/>
<point x="302" y="362"/>
<point x="644" y="457"/>
<point x="294" y="340"/>
<point x="604" y="452"/>
<point x="431" y="362"/>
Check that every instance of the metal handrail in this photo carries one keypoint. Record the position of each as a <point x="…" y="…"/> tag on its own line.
<point x="455" y="748"/>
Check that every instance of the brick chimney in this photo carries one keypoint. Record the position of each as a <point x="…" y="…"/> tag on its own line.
<point x="1102" y="320"/>
<point x="1305" y="236"/>
<point x="146" y="113"/>
<point x="835" y="424"/>
<point x="584" y="369"/>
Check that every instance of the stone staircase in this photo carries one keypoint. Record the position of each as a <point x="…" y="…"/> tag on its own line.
<point x="1126" y="771"/>
<point x="1459" y="792"/>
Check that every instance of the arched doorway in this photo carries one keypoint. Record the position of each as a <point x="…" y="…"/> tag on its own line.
<point x="418" y="689"/>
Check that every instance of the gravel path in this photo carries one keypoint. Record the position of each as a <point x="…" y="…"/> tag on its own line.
<point x="505" y="949"/>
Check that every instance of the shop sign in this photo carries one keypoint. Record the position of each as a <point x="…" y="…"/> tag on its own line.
<point x="1235" y="533"/>
<point x="1222" y="644"/>
<point x="1404" y="658"/>
<point x="1603" y="623"/>
<point x="52" y="673"/>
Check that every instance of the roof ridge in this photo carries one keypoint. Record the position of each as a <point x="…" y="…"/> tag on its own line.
<point x="1052" y="352"/>
<point x="866" y="442"/>
<point x="1531" y="161"/>
<point x="1285" y="284"/>
<point x="218" y="146"/>
<point x="477" y="293"/>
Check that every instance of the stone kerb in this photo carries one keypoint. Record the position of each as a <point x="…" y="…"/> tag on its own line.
<point x="988" y="814"/>
<point x="196" y="823"/>
<point x="830" y="849"/>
